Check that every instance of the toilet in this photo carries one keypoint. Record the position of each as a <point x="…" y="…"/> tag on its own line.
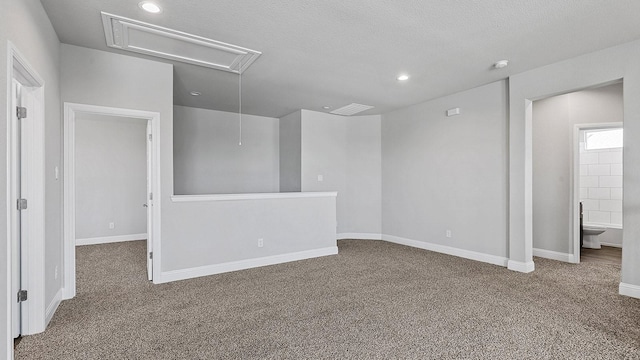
<point x="590" y="236"/>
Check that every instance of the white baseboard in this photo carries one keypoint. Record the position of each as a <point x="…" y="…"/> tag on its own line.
<point x="629" y="290"/>
<point x="67" y="293"/>
<point x="519" y="266"/>
<point x="53" y="306"/>
<point x="359" y="236"/>
<point x="467" y="254"/>
<point x="207" y="270"/>
<point x="110" y="239"/>
<point x="554" y="255"/>
<point x="611" y="244"/>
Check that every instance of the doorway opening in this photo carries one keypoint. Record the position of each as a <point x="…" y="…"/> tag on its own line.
<point x="561" y="177"/>
<point x="598" y="188"/>
<point x="145" y="209"/>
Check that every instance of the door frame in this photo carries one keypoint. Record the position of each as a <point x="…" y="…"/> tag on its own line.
<point x="32" y="242"/>
<point x="69" y="214"/>
<point x="575" y="173"/>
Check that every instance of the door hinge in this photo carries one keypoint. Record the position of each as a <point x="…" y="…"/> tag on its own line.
<point x="21" y="112"/>
<point x="150" y="196"/>
<point x="151" y="255"/>
<point x="22" y="295"/>
<point x="22" y="204"/>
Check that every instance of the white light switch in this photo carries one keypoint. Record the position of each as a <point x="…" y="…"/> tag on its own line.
<point x="320" y="178"/>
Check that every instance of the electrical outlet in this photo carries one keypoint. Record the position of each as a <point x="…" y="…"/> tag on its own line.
<point x="320" y="178"/>
<point x="112" y="225"/>
<point x="55" y="273"/>
<point x="448" y="233"/>
<point x="260" y="242"/>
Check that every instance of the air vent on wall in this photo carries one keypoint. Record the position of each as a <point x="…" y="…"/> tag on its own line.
<point x="144" y="38"/>
<point x="351" y="109"/>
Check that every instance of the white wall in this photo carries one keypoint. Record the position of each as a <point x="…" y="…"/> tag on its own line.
<point x="208" y="159"/>
<point x="111" y="176"/>
<point x="290" y="152"/>
<point x="26" y="25"/>
<point x="345" y="151"/>
<point x="553" y="125"/>
<point x="605" y="66"/>
<point x="209" y="234"/>
<point x="106" y="79"/>
<point x="216" y="232"/>
<point x="444" y="173"/>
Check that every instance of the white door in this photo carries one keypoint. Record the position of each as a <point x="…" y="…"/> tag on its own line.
<point x="15" y="215"/>
<point x="149" y="205"/>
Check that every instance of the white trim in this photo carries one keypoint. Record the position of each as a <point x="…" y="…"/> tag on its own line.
<point x="53" y="306"/>
<point x="117" y="34"/>
<point x="554" y="255"/>
<point x="519" y="266"/>
<point x="611" y="244"/>
<point x="70" y="110"/>
<point x="467" y="254"/>
<point x="32" y="254"/>
<point x="110" y="239"/>
<point x="629" y="290"/>
<point x="9" y="248"/>
<point x="359" y="236"/>
<point x="254" y="196"/>
<point x="207" y="270"/>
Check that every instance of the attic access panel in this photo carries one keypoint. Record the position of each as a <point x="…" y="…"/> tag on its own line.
<point x="144" y="38"/>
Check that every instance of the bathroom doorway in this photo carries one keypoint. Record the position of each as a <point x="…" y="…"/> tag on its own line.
<point x="556" y="178"/>
<point x="598" y="189"/>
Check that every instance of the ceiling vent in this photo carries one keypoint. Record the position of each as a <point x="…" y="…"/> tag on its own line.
<point x="351" y="109"/>
<point x="132" y="35"/>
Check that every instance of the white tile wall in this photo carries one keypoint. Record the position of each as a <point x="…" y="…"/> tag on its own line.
<point x="616" y="194"/>
<point x="589" y="158"/>
<point x="616" y="218"/>
<point x="599" y="193"/>
<point x="616" y="169"/>
<point x="590" y="205"/>
<point x="611" y="181"/>
<point x="601" y="186"/>
<point x="599" y="169"/>
<point x="611" y="205"/>
<point x="600" y="217"/>
<point x="589" y="181"/>
<point x="610" y="157"/>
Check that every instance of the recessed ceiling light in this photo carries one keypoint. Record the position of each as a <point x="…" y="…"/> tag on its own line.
<point x="501" y="64"/>
<point x="403" y="77"/>
<point x="148" y="6"/>
<point x="195" y="93"/>
<point x="326" y="107"/>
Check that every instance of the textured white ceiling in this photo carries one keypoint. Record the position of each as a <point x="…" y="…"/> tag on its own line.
<point x="335" y="52"/>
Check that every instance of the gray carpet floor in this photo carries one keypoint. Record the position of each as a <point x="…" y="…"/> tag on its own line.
<point x="375" y="300"/>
